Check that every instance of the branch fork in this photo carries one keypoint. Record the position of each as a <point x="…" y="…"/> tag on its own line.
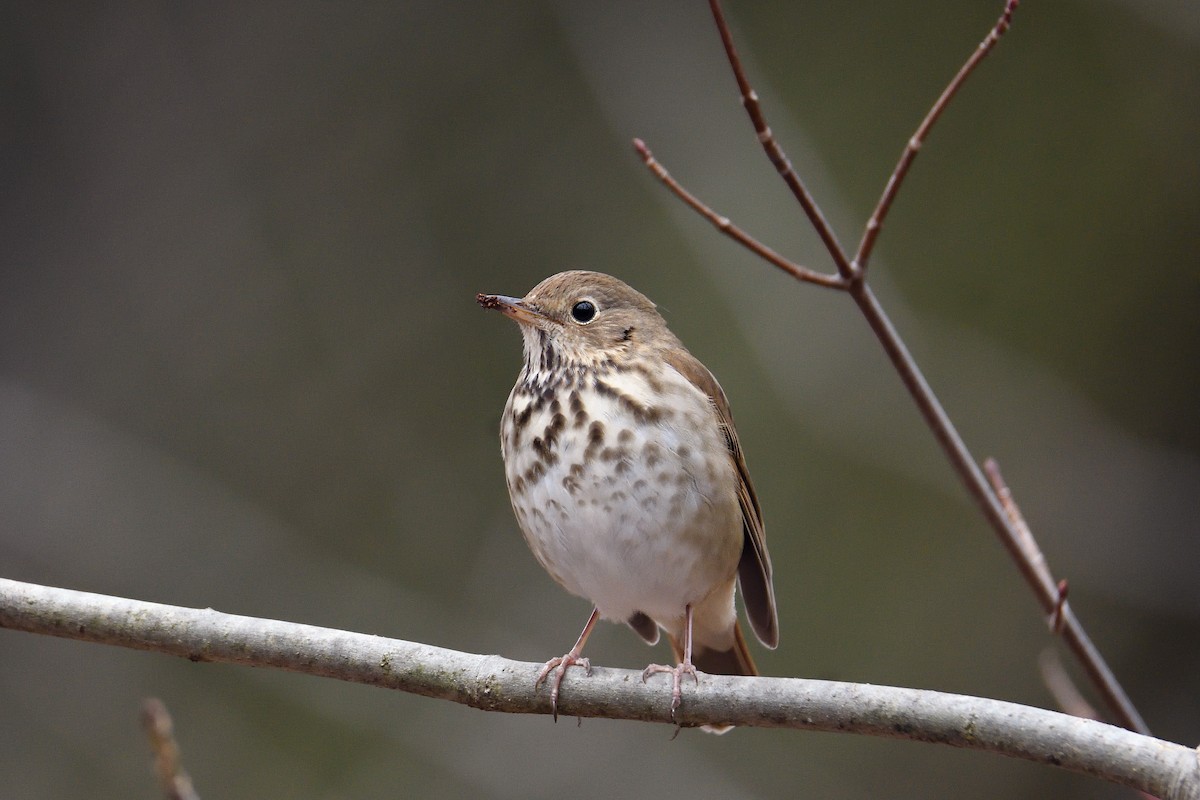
<point x="990" y="493"/>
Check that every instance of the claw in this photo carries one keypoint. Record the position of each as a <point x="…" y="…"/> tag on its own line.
<point x="677" y="672"/>
<point x="684" y="667"/>
<point x="559" y="667"/>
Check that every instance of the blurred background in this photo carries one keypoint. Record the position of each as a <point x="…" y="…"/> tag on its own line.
<point x="241" y="365"/>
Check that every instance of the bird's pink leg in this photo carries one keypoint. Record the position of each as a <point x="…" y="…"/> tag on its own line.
<point x="559" y="665"/>
<point x="679" y="670"/>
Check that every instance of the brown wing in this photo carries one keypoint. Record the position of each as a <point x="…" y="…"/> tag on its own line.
<point x="754" y="570"/>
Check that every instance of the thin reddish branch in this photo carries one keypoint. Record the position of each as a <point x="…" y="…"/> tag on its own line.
<point x="1031" y="553"/>
<point x="1060" y="608"/>
<point x="875" y="223"/>
<point x="1016" y="520"/>
<point x="775" y="153"/>
<point x="1002" y="515"/>
<point x="160" y="730"/>
<point x="726" y="227"/>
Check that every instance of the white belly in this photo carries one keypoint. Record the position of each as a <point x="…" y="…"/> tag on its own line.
<point x="639" y="520"/>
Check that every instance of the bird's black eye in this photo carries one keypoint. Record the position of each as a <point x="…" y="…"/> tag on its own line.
<point x="583" y="312"/>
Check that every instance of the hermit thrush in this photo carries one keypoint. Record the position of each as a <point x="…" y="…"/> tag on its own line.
<point x="627" y="478"/>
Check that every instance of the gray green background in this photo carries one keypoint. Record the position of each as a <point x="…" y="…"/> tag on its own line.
<point x="241" y="365"/>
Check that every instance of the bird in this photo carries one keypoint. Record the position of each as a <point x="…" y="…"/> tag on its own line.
<point x="628" y="481"/>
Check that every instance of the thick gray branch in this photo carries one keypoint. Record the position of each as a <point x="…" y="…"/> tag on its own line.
<point x="493" y="683"/>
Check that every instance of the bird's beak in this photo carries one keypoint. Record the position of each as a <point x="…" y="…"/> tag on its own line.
<point x="513" y="308"/>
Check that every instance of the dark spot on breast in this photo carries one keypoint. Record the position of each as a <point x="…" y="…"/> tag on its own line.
<point x="544" y="394"/>
<point x="550" y="434"/>
<point x="650" y="376"/>
<point x="652" y="453"/>
<point x="626" y="334"/>
<point x="683" y="452"/>
<point x="535" y="472"/>
<point x="577" y="410"/>
<point x="545" y="451"/>
<point x="603" y="389"/>
<point x="595" y="440"/>
<point x="641" y="412"/>
<point x="572" y="481"/>
<point x="549" y="359"/>
<point x="518" y="423"/>
<point x="625" y="436"/>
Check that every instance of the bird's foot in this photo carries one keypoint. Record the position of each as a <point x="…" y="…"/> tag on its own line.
<point x="677" y="672"/>
<point x="559" y="667"/>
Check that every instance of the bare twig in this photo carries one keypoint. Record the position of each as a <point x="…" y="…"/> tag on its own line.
<point x="853" y="281"/>
<point x="493" y="683"/>
<point x="775" y="153"/>
<point x="175" y="783"/>
<point x="1016" y="520"/>
<point x="726" y="227"/>
<point x="1031" y="553"/>
<point x="875" y="223"/>
<point x="1058" y="615"/>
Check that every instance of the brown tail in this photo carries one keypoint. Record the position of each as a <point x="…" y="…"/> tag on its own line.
<point x="734" y="661"/>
